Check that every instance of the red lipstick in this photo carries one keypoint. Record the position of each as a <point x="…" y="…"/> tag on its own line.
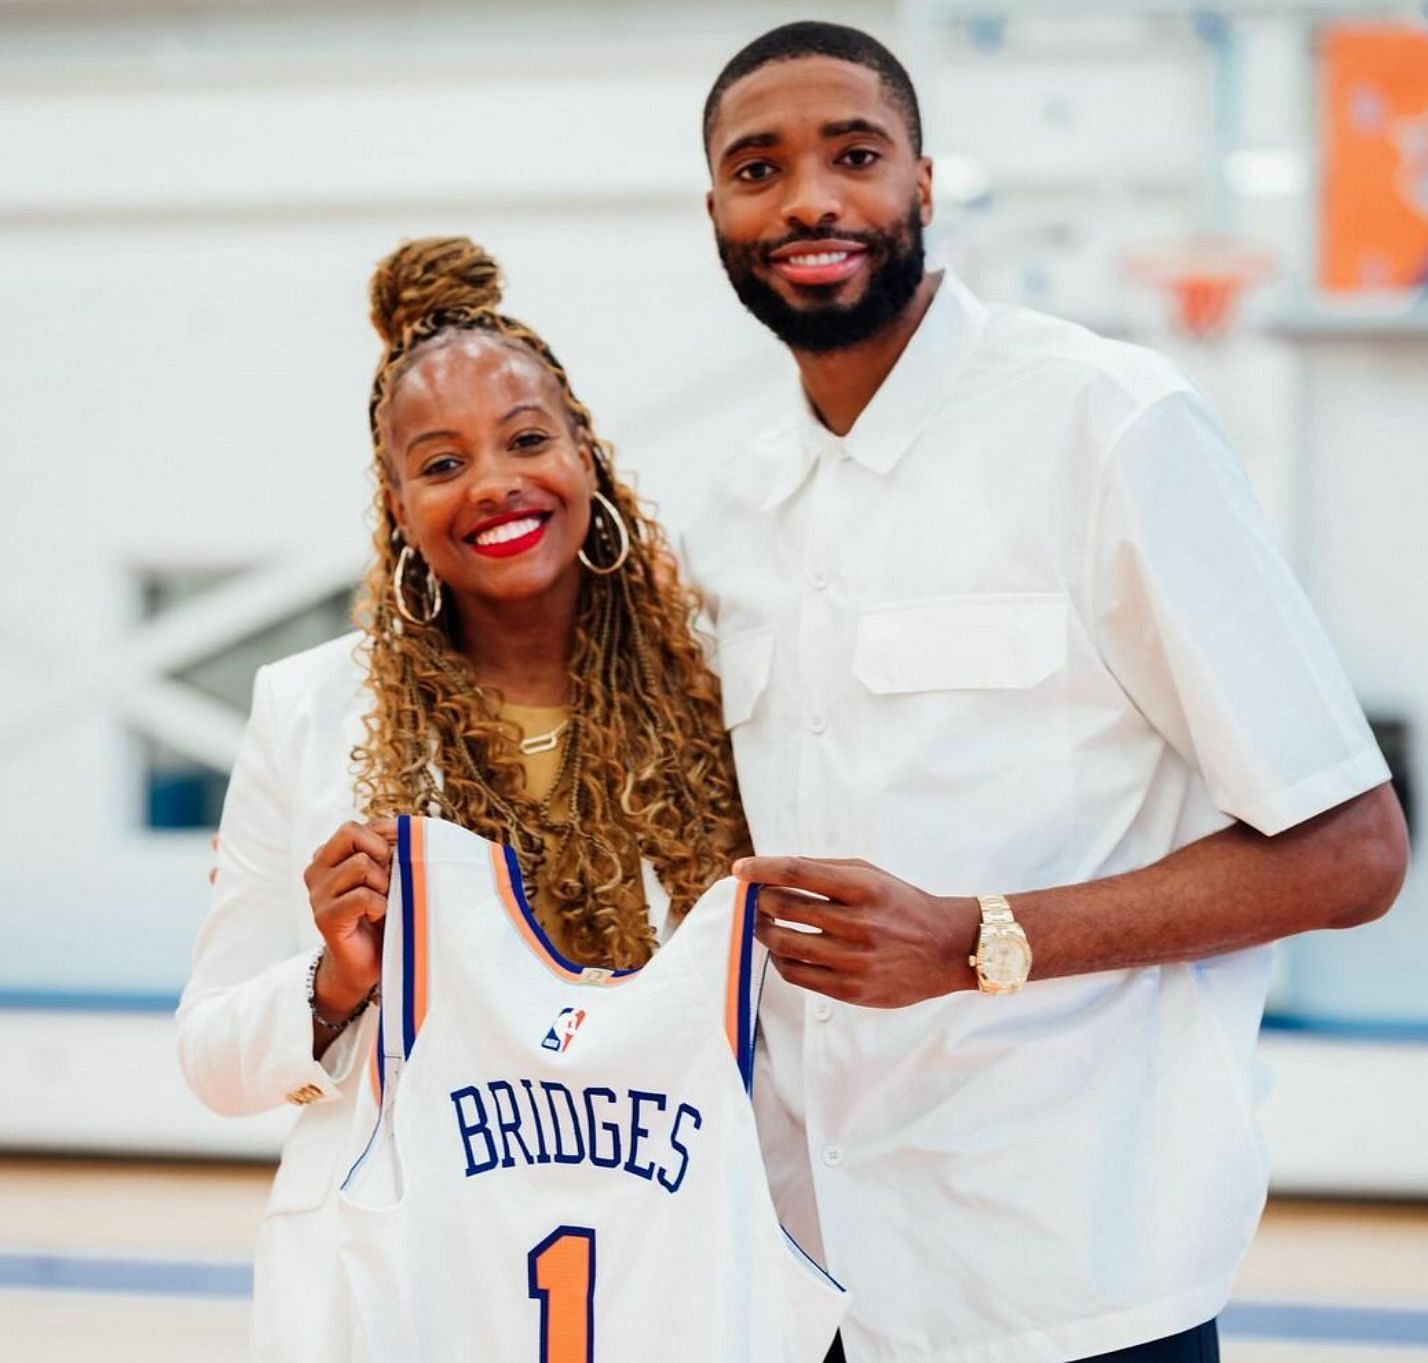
<point x="527" y="529"/>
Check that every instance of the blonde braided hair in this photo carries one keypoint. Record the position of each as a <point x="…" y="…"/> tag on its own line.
<point x="646" y="769"/>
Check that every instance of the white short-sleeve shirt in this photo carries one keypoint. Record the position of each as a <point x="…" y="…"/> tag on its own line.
<point x="1022" y="626"/>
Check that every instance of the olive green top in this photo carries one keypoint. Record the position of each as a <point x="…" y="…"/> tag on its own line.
<point x="542" y="769"/>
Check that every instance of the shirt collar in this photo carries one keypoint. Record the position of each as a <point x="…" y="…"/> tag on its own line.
<point x="783" y="456"/>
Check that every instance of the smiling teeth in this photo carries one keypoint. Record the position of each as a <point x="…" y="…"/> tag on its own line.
<point x="511" y="530"/>
<point x="823" y="258"/>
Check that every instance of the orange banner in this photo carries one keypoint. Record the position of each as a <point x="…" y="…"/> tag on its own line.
<point x="1374" y="229"/>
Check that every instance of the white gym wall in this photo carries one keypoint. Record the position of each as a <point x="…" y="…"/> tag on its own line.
<point x="191" y="202"/>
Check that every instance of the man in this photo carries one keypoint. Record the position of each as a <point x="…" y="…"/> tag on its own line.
<point x="1012" y="665"/>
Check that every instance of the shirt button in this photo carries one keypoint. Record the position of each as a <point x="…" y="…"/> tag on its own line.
<point x="832" y="1156"/>
<point x="818" y="724"/>
<point x="822" y="1010"/>
<point x="819" y="582"/>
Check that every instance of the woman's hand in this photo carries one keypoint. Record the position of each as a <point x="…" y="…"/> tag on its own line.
<point x="347" y="887"/>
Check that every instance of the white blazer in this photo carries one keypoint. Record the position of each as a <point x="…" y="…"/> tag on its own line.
<point x="245" y="1033"/>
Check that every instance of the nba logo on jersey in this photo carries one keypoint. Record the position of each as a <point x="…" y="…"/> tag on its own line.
<point x="563" y="1029"/>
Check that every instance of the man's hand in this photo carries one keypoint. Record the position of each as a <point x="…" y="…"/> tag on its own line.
<point x="881" y="942"/>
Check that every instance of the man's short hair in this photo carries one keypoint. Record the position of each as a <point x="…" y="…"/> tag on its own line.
<point x="812" y="38"/>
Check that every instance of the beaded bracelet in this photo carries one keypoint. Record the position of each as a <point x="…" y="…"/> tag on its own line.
<point x="334" y="1028"/>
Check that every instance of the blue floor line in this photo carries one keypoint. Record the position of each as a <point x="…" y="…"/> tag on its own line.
<point x="1337" y="1028"/>
<point x="147" y="1277"/>
<point x="86" y="1001"/>
<point x="1339" y="1324"/>
<point x="1336" y="1324"/>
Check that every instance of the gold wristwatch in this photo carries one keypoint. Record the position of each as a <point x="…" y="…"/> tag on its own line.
<point x="1003" y="957"/>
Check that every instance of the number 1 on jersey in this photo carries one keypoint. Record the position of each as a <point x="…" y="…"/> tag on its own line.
<point x="562" y="1279"/>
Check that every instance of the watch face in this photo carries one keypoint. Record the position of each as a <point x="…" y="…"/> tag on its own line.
<point x="1005" y="960"/>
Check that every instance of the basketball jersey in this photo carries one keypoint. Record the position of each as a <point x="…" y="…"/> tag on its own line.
<point x="562" y="1164"/>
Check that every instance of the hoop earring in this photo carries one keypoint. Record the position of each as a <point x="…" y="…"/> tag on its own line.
<point x="399" y="590"/>
<point x="609" y="514"/>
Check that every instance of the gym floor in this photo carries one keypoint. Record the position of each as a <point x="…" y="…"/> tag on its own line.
<point x="148" y="1263"/>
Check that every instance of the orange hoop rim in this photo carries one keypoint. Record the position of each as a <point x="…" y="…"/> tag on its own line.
<point x="1204" y="278"/>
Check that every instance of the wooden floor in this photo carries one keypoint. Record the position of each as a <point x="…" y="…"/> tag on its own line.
<point x="140" y="1263"/>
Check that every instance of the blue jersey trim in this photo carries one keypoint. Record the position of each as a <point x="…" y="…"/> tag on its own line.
<point x="366" y="1150"/>
<point x="404" y="863"/>
<point x="810" y="1260"/>
<point x="518" y="888"/>
<point x="757" y="1003"/>
<point x="746" y="987"/>
<point x="381" y="1060"/>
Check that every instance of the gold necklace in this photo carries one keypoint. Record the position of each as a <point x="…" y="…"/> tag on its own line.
<point x="539" y="743"/>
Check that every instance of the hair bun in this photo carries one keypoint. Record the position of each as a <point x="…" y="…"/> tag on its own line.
<point x="421" y="276"/>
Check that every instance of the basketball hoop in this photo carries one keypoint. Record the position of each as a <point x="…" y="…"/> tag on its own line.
<point x="1203" y="279"/>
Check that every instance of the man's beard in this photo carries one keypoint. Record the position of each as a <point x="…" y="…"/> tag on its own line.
<point x="895" y="264"/>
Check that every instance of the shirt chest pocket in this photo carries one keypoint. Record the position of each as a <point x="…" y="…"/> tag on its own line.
<point x="744" y="663"/>
<point x="964" y="643"/>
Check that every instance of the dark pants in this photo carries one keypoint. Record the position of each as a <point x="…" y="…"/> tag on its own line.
<point x="1200" y="1345"/>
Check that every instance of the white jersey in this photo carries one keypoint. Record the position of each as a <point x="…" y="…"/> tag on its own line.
<point x="563" y="1165"/>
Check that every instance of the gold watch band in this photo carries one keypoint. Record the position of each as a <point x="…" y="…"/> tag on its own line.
<point x="995" y="908"/>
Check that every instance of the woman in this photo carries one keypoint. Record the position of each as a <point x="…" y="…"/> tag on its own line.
<point x="527" y="671"/>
